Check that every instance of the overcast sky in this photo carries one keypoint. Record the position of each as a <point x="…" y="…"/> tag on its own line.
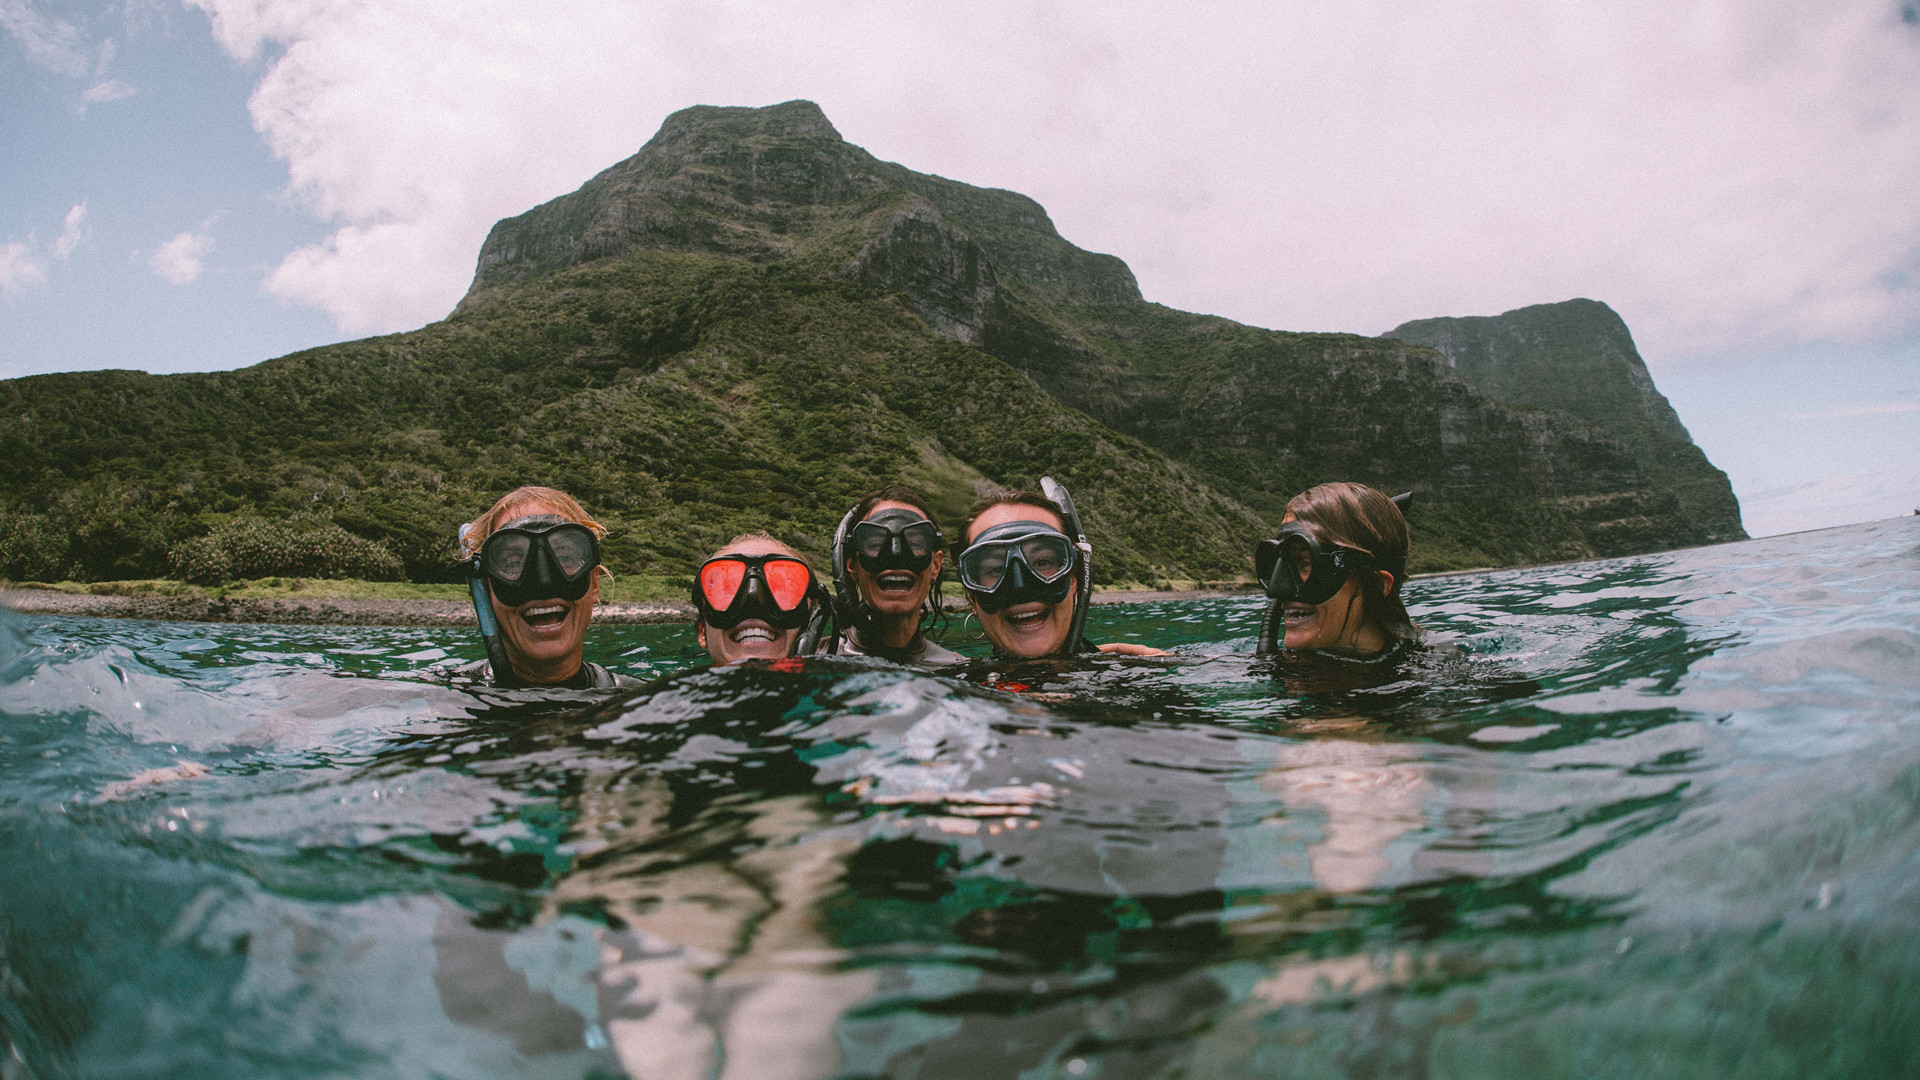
<point x="208" y="184"/>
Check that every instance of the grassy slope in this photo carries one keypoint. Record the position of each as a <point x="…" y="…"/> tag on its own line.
<point x="683" y="398"/>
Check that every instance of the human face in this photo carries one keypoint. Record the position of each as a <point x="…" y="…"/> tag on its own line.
<point x="1035" y="628"/>
<point x="896" y="595"/>
<point x="753" y="639"/>
<point x="1338" y="623"/>
<point x="545" y="638"/>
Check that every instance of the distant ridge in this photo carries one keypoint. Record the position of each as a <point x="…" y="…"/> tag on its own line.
<point x="750" y="322"/>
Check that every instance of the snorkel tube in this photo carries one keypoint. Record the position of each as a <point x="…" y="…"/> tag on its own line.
<point x="809" y="638"/>
<point x="489" y="626"/>
<point x="1076" y="636"/>
<point x="1272" y="625"/>
<point x="846" y="598"/>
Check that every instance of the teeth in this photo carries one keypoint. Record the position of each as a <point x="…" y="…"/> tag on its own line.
<point x="752" y="633"/>
<point x="544" y="609"/>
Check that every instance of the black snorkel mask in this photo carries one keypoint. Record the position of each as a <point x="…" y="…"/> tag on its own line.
<point x="776" y="589"/>
<point x="539" y="557"/>
<point x="1017" y="562"/>
<point x="893" y="539"/>
<point x="1298" y="567"/>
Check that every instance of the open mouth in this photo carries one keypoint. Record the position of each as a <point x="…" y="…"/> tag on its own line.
<point x="895" y="581"/>
<point x="1024" y="618"/>
<point x="540" y="616"/>
<point x="749" y="634"/>
<point x="1297" y="612"/>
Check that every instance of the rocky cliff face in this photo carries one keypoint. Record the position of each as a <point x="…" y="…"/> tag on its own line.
<point x="1578" y="357"/>
<point x="1548" y="421"/>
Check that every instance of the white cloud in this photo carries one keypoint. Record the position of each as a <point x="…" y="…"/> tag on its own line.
<point x="73" y="230"/>
<point x="52" y="43"/>
<point x="179" y="260"/>
<point x="1726" y="175"/>
<point x="110" y="90"/>
<point x="20" y="267"/>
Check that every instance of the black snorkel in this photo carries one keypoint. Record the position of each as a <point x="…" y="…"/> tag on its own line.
<point x="1273" y="623"/>
<point x="849" y="611"/>
<point x="483" y="610"/>
<point x="809" y="638"/>
<point x="1076" y="635"/>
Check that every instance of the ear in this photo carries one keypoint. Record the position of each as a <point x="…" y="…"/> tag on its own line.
<point x="700" y="632"/>
<point x="1387" y="582"/>
<point x="939" y="562"/>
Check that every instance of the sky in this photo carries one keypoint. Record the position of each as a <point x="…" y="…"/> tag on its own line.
<point x="193" y="185"/>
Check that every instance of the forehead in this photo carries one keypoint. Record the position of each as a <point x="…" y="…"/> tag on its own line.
<point x="529" y="508"/>
<point x="756" y="546"/>
<point x="894" y="504"/>
<point x="1002" y="513"/>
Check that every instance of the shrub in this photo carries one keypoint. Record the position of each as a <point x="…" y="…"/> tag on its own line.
<point x="31" y="549"/>
<point x="253" y="548"/>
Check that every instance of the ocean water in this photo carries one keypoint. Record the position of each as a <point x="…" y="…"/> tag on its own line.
<point x="1656" y="816"/>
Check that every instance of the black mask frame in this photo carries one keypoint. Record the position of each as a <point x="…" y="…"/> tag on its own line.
<point x="542" y="574"/>
<point x="1019" y="582"/>
<point x="896" y="539"/>
<point x="754" y="599"/>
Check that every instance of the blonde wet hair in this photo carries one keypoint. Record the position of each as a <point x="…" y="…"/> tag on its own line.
<point x="474" y="534"/>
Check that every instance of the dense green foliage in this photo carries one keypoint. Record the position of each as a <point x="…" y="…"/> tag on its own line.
<point x="682" y="398"/>
<point x="250" y="548"/>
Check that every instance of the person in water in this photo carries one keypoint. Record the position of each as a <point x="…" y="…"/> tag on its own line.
<point x="1334" y="574"/>
<point x="534" y="571"/>
<point x="1027" y="580"/>
<point x="887" y="563"/>
<point x="757" y="600"/>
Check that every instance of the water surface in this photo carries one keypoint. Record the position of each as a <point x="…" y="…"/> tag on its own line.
<point x="1656" y="817"/>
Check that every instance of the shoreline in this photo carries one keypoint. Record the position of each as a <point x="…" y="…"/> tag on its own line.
<point x="395" y="612"/>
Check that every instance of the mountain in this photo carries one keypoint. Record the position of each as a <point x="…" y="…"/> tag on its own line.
<point x="1578" y="357"/>
<point x="749" y="323"/>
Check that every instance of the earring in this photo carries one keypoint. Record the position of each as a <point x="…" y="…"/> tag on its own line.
<point x="981" y="636"/>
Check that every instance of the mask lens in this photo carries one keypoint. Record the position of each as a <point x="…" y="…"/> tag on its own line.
<point x="720" y="581"/>
<point x="1045" y="556"/>
<point x="506" y="555"/>
<point x="572" y="549"/>
<point x="870" y="540"/>
<point x="921" y="537"/>
<point x="984" y="566"/>
<point x="787" y="580"/>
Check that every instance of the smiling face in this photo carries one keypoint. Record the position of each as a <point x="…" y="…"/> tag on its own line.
<point x="896" y="595"/>
<point x="1339" y="623"/>
<point x="1035" y="628"/>
<point x="753" y="639"/>
<point x="545" y="638"/>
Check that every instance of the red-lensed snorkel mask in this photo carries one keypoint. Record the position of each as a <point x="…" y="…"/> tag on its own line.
<point x="776" y="589"/>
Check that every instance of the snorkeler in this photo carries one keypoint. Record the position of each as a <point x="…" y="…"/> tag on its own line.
<point x="1028" y="580"/>
<point x="533" y="566"/>
<point x="758" y="600"/>
<point x="887" y="560"/>
<point x="1334" y="574"/>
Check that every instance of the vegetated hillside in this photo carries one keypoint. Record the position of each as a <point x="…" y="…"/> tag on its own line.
<point x="750" y="323"/>
<point x="1578" y="357"/>
<point x="684" y="398"/>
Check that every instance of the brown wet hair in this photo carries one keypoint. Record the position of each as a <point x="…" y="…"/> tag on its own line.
<point x="1365" y="519"/>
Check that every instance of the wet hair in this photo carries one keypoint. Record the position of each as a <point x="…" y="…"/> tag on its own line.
<point x="476" y="533"/>
<point x="899" y="493"/>
<point x="1016" y="497"/>
<point x="1359" y="517"/>
<point x="764" y="537"/>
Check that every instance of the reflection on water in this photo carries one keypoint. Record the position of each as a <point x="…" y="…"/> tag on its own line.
<point x="1653" y="816"/>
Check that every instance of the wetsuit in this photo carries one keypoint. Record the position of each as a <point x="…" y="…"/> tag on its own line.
<point x="591" y="676"/>
<point x="920" y="652"/>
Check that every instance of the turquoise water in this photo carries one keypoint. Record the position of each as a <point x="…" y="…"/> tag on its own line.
<point x="1656" y="817"/>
